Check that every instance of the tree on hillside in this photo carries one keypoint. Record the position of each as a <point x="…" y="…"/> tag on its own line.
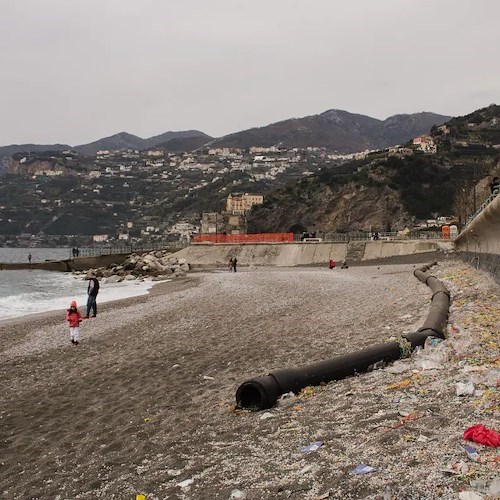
<point x="463" y="203"/>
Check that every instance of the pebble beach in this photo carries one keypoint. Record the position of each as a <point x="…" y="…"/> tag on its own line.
<point x="145" y="405"/>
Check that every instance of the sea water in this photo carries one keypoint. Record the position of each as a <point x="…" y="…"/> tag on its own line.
<point x="34" y="291"/>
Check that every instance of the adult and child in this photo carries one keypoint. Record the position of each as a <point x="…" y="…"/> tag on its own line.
<point x="233" y="262"/>
<point x="73" y="316"/>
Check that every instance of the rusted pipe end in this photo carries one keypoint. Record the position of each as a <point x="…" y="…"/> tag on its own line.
<point x="257" y="394"/>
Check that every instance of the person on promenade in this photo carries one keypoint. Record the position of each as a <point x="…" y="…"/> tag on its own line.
<point x="29" y="258"/>
<point x="495" y="185"/>
<point x="73" y="317"/>
<point x="235" y="261"/>
<point x="230" y="264"/>
<point x="92" y="291"/>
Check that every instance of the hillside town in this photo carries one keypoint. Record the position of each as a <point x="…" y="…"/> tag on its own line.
<point x="132" y="195"/>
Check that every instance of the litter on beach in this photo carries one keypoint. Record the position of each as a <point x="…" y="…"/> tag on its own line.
<point x="311" y="447"/>
<point x="363" y="469"/>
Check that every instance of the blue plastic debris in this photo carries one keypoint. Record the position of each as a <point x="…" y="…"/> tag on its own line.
<point x="364" y="469"/>
<point x="311" y="447"/>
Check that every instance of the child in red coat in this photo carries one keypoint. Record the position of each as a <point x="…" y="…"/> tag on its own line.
<point x="73" y="317"/>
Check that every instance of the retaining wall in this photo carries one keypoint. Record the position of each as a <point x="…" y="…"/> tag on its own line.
<point x="479" y="242"/>
<point x="301" y="254"/>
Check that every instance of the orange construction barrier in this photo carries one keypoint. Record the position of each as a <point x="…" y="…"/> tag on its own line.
<point x="445" y="232"/>
<point x="244" y="238"/>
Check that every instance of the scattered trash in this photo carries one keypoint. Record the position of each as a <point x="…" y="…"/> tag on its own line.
<point x="479" y="485"/>
<point x="471" y="452"/>
<point x="305" y="469"/>
<point x="176" y="366"/>
<point x="429" y="364"/>
<point x="311" y="391"/>
<point x="423" y="439"/>
<point x="311" y="447"/>
<point x="432" y="342"/>
<point x="457" y="469"/>
<point x="465" y="389"/>
<point x="206" y="377"/>
<point x="297" y="407"/>
<point x="411" y="416"/>
<point x="287" y="395"/>
<point x="469" y="495"/>
<point x="480" y="434"/>
<point x="432" y="360"/>
<point x="400" y="385"/>
<point x="147" y="419"/>
<point x="186" y="483"/>
<point x="267" y="415"/>
<point x="398" y="368"/>
<point x="494" y="489"/>
<point x="238" y="494"/>
<point x="364" y="469"/>
<point x="140" y="497"/>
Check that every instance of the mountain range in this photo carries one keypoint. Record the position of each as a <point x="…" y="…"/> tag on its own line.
<point x="334" y="129"/>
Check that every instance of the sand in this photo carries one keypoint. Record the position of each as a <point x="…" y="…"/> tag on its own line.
<point x="145" y="403"/>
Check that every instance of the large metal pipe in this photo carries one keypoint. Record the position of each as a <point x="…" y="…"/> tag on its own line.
<point x="261" y="393"/>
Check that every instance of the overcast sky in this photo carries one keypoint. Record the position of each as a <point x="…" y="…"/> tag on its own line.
<point x="72" y="71"/>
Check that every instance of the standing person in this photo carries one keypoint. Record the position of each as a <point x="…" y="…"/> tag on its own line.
<point x="73" y="317"/>
<point x="495" y="185"/>
<point x="235" y="261"/>
<point x="230" y="264"/>
<point x="29" y="258"/>
<point x="92" y="291"/>
<point x="331" y="264"/>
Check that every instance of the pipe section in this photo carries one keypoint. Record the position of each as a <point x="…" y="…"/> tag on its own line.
<point x="261" y="393"/>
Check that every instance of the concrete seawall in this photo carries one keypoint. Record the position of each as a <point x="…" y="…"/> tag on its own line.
<point x="265" y="254"/>
<point x="479" y="242"/>
<point x="303" y="254"/>
<point x="76" y="264"/>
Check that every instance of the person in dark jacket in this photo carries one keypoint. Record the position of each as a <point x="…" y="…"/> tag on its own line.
<point x="495" y="185"/>
<point x="235" y="262"/>
<point x="92" y="291"/>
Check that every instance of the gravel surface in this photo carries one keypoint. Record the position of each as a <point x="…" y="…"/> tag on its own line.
<point x="145" y="403"/>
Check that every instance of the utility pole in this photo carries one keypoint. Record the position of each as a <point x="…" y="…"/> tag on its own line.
<point x="474" y="188"/>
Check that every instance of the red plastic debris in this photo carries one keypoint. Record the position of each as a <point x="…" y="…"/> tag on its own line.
<point x="480" y="434"/>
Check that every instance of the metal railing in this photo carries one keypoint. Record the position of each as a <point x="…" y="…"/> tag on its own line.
<point x="481" y="207"/>
<point x="370" y="236"/>
<point x="131" y="248"/>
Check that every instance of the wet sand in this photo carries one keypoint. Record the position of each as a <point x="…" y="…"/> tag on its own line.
<point x="146" y="401"/>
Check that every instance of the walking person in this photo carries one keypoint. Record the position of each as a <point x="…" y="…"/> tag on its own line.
<point x="230" y="264"/>
<point x="235" y="261"/>
<point x="92" y="291"/>
<point x="29" y="258"/>
<point x="73" y="317"/>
